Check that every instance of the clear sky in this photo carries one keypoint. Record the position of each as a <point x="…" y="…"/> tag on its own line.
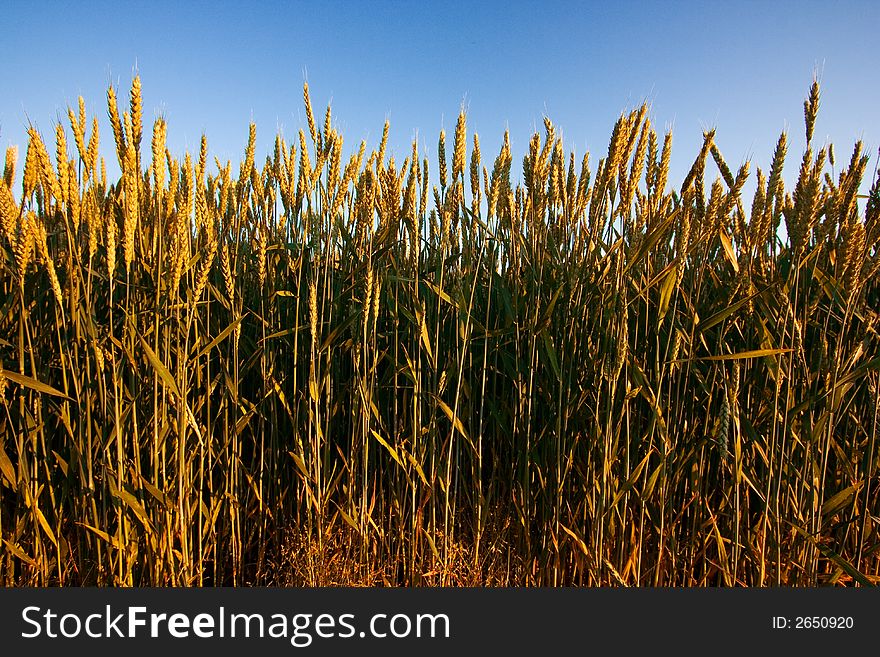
<point x="743" y="67"/>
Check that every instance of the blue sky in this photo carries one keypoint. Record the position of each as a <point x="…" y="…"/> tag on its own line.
<point x="742" y="67"/>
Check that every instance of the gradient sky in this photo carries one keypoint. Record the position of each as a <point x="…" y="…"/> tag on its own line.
<point x="742" y="67"/>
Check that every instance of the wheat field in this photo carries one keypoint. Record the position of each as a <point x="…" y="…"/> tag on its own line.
<point x="329" y="369"/>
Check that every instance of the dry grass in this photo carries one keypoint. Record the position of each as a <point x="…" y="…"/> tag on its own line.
<point x="320" y="372"/>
